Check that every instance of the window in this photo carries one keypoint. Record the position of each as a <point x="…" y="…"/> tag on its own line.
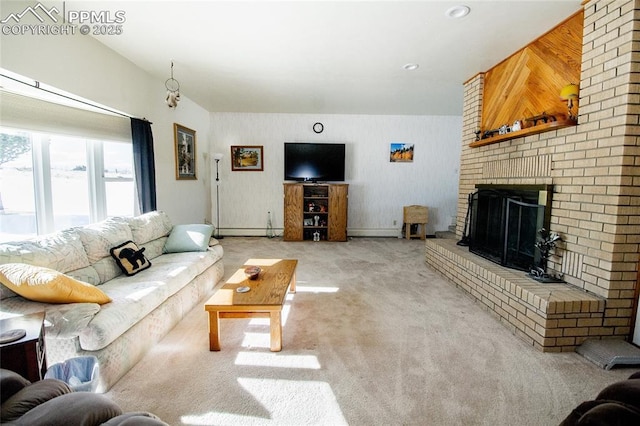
<point x="50" y="182"/>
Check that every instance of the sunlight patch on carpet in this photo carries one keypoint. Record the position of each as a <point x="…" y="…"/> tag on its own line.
<point x="312" y="289"/>
<point x="279" y="361"/>
<point x="287" y="402"/>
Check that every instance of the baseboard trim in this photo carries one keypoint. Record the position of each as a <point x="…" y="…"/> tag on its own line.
<point x="351" y="232"/>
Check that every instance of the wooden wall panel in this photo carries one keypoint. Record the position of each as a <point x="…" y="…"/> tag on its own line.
<point x="528" y="83"/>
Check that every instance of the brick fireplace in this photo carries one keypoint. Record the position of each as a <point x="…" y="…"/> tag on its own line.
<point x="594" y="171"/>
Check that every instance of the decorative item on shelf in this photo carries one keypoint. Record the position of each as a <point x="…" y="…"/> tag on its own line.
<point x="569" y="93"/>
<point x="316" y="220"/>
<point x="490" y="133"/>
<point x="517" y="125"/>
<point x="252" y="272"/>
<point x="544" y="117"/>
<point x="316" y="236"/>
<point x="504" y="129"/>
<point x="545" y="244"/>
<point x="173" y="90"/>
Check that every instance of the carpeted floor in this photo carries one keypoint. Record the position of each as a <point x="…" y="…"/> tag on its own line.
<point x="372" y="337"/>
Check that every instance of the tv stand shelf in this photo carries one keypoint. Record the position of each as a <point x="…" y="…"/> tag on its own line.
<point x="315" y="212"/>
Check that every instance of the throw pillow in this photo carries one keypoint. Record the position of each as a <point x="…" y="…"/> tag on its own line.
<point x="48" y="286"/>
<point x="130" y="258"/>
<point x="188" y="238"/>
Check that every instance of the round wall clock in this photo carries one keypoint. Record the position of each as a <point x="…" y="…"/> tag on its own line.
<point x="318" y="127"/>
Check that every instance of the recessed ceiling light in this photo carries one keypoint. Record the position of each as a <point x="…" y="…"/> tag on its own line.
<point x="411" y="67"/>
<point x="457" y="12"/>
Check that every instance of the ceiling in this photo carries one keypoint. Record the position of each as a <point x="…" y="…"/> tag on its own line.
<point x="337" y="57"/>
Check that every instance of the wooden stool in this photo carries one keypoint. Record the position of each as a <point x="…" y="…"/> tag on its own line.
<point x="415" y="215"/>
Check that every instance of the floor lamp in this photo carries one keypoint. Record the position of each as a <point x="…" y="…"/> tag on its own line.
<point x="218" y="157"/>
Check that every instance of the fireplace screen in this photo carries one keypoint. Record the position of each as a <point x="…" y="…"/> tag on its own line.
<point x="504" y="224"/>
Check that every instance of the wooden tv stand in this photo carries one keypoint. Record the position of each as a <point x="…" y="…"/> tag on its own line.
<point x="315" y="210"/>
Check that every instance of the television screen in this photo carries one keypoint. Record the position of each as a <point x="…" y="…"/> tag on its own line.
<point x="314" y="162"/>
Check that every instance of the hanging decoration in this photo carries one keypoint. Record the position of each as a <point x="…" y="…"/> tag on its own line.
<point x="173" y="90"/>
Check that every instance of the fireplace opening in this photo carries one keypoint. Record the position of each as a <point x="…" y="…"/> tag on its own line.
<point x="505" y="220"/>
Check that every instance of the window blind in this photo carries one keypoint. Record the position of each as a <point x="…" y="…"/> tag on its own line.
<point x="24" y="112"/>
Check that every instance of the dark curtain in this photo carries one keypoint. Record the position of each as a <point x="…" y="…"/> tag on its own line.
<point x="143" y="162"/>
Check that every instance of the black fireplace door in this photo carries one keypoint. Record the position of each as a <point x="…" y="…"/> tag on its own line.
<point x="504" y="227"/>
<point x="521" y="229"/>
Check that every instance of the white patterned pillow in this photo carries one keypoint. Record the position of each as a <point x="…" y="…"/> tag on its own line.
<point x="62" y="251"/>
<point x="98" y="238"/>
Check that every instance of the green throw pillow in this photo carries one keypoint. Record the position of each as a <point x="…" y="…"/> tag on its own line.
<point x="188" y="238"/>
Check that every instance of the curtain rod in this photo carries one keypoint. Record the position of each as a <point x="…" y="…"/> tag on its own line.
<point x="36" y="85"/>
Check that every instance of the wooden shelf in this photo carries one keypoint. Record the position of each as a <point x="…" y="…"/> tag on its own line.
<point x="298" y="199"/>
<point x="540" y="128"/>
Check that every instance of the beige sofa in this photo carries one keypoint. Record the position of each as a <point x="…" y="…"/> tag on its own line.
<point x="143" y="307"/>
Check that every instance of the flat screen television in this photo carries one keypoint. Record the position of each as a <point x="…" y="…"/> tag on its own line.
<point x="314" y="162"/>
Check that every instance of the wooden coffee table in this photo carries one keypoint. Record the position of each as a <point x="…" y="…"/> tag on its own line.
<point x="264" y="299"/>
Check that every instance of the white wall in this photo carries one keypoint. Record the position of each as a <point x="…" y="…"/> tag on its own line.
<point x="83" y="66"/>
<point x="378" y="189"/>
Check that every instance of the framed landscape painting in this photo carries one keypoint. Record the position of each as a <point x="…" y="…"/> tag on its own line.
<point x="246" y="158"/>
<point x="401" y="152"/>
<point x="185" y="148"/>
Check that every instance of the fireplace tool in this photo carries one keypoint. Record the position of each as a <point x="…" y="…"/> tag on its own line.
<point x="465" y="237"/>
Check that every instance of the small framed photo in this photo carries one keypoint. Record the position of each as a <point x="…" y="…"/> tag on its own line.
<point x="185" y="148"/>
<point x="401" y="152"/>
<point x="247" y="158"/>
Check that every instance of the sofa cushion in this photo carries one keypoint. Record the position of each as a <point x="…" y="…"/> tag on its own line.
<point x="193" y="237"/>
<point x="130" y="258"/>
<point x="149" y="226"/>
<point x="155" y="248"/>
<point x="65" y="321"/>
<point x="31" y="396"/>
<point x="98" y="239"/>
<point x="135" y="297"/>
<point x="62" y="251"/>
<point x="47" y="285"/>
<point x="87" y="274"/>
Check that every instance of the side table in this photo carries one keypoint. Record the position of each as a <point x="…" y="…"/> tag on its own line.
<point x="26" y="356"/>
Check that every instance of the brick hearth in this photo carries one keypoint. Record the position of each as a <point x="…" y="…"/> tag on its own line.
<point x="552" y="317"/>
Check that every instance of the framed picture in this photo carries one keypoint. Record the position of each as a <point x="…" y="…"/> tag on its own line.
<point x="185" y="147"/>
<point x="247" y="158"/>
<point x="401" y="152"/>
